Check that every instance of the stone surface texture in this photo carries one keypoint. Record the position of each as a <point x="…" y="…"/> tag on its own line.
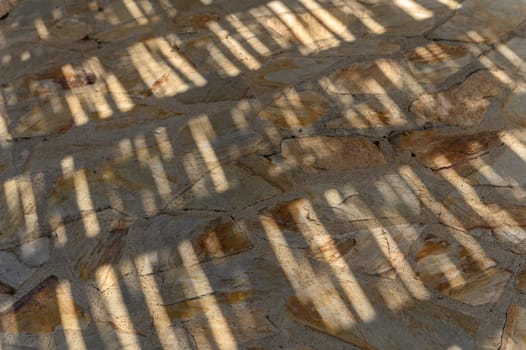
<point x="249" y="174"/>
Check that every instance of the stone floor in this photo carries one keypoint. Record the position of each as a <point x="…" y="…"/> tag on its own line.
<point x="255" y="174"/>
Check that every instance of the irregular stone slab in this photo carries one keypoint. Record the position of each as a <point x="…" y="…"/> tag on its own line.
<point x="5" y="7"/>
<point x="296" y="109"/>
<point x="374" y="113"/>
<point x="435" y="62"/>
<point x="521" y="282"/>
<point x="289" y="71"/>
<point x="43" y="309"/>
<point x="391" y="324"/>
<point x="385" y="196"/>
<point x="332" y="153"/>
<point x="247" y="326"/>
<point x="503" y="168"/>
<point x="404" y="18"/>
<point x="120" y="183"/>
<point x="509" y="56"/>
<point x="463" y="105"/>
<point x="207" y="238"/>
<point x="68" y="30"/>
<point x="482" y="21"/>
<point x="439" y="150"/>
<point x="512" y="237"/>
<point x="310" y="31"/>
<point x="382" y="250"/>
<point x="18" y="204"/>
<point x="43" y="121"/>
<point x="242" y="273"/>
<point x="379" y="77"/>
<point x="35" y="253"/>
<point x="514" y="335"/>
<point x="94" y="252"/>
<point x="216" y="89"/>
<point x="363" y="48"/>
<point x="514" y="104"/>
<point x="12" y="272"/>
<point x="224" y="188"/>
<point x="453" y="263"/>
<point x="490" y="207"/>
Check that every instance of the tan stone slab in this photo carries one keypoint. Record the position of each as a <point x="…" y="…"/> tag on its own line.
<point x="332" y="153"/>
<point x="394" y="321"/>
<point x="482" y="21"/>
<point x="453" y="263"/>
<point x="381" y="76"/>
<point x="438" y="150"/>
<point x="296" y="109"/>
<point x="285" y="71"/>
<point x="434" y="63"/>
<point x="464" y="105"/>
<point x="43" y="309"/>
<point x="514" y="336"/>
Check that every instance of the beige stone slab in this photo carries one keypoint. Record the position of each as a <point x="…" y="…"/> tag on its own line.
<point x="515" y="329"/>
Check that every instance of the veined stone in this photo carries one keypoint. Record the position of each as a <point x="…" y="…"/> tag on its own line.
<point x="514" y="335"/>
<point x="217" y="188"/>
<point x="42" y="310"/>
<point x="438" y="150"/>
<point x="332" y="153"/>
<point x="380" y="77"/>
<point x="391" y="324"/>
<point x="434" y="63"/>
<point x="512" y="237"/>
<point x="363" y="48"/>
<point x="453" y="264"/>
<point x="463" y="105"/>
<point x="296" y="109"/>
<point x="482" y="21"/>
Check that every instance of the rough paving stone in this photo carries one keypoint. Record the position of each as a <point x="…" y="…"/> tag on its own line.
<point x="363" y="47"/>
<point x="285" y="71"/>
<point x="514" y="334"/>
<point x="380" y="319"/>
<point x="296" y="109"/>
<point x="207" y="237"/>
<point x="509" y="56"/>
<point x="404" y="18"/>
<point x="42" y="310"/>
<point x="94" y="253"/>
<point x="35" y="253"/>
<point x="435" y="62"/>
<point x="489" y="207"/>
<point x="514" y="105"/>
<point x="12" y="272"/>
<point x="5" y="7"/>
<point x="374" y="113"/>
<point x="521" y="282"/>
<point x="386" y="196"/>
<point x="438" y="150"/>
<point x="378" y="77"/>
<point x="482" y="21"/>
<point x="452" y="263"/>
<point x="332" y="153"/>
<point x="215" y="190"/>
<point x="463" y="105"/>
<point x="216" y="89"/>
